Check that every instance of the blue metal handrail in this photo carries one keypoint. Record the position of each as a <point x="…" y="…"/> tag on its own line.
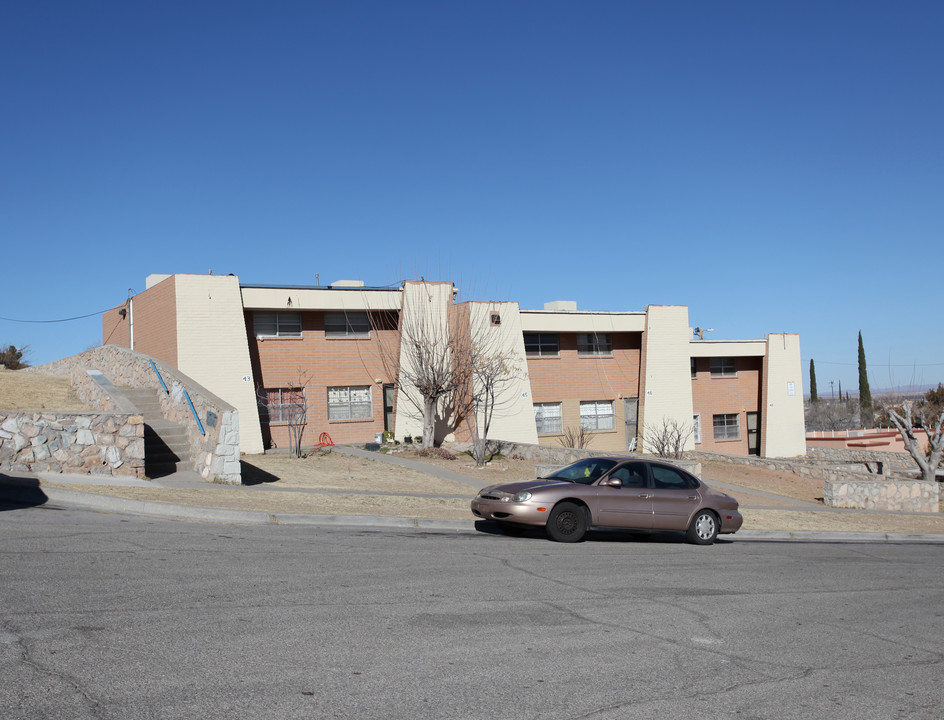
<point x="186" y="394"/>
<point x="159" y="376"/>
<point x="193" y="410"/>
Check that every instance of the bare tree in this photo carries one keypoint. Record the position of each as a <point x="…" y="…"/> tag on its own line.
<point x="668" y="440"/>
<point x="832" y="415"/>
<point x="576" y="437"/>
<point x="289" y="406"/>
<point x="905" y="421"/>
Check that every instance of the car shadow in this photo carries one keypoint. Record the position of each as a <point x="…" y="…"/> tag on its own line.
<point x="17" y="493"/>
<point x="488" y="527"/>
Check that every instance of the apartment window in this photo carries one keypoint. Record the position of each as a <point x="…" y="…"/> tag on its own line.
<point x="547" y="417"/>
<point x="596" y="415"/>
<point x="696" y="428"/>
<point x="347" y="324"/>
<point x="724" y="367"/>
<point x="541" y="344"/>
<point x="349" y="403"/>
<point x="594" y="344"/>
<point x="277" y="324"/>
<point x="278" y="405"/>
<point x="694" y="369"/>
<point x="727" y="427"/>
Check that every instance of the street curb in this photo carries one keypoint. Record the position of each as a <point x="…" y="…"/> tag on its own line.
<point x="107" y="503"/>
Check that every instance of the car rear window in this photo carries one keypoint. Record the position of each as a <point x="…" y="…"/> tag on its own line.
<point x="584" y="472"/>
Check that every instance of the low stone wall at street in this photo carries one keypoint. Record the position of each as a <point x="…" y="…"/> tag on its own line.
<point x="883" y="494"/>
<point x="214" y="449"/>
<point x="72" y="442"/>
<point x="851" y="478"/>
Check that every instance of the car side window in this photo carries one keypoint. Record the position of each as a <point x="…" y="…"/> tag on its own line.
<point x="631" y="475"/>
<point x="670" y="479"/>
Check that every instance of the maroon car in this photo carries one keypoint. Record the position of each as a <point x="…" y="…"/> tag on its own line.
<point x="613" y="493"/>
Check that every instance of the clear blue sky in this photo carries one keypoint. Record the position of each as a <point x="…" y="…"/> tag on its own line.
<point x="777" y="167"/>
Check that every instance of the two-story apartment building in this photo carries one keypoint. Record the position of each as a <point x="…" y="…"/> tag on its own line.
<point x="339" y="349"/>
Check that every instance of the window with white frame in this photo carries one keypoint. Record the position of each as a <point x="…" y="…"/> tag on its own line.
<point x="547" y="417"/>
<point x="594" y="344"/>
<point x="727" y="427"/>
<point x="278" y="405"/>
<point x="541" y="344"/>
<point x="724" y="367"/>
<point x="347" y="324"/>
<point x="596" y="415"/>
<point x="349" y="403"/>
<point x="696" y="428"/>
<point x="277" y="324"/>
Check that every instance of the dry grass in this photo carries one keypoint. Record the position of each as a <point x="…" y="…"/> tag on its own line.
<point x="31" y="391"/>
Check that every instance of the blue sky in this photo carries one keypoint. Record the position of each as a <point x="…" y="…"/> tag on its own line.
<point x="777" y="167"/>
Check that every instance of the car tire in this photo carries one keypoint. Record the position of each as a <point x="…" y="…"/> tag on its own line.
<point x="567" y="523"/>
<point x="704" y="528"/>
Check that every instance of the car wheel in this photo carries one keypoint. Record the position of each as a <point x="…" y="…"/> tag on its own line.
<point x="567" y="523"/>
<point x="704" y="528"/>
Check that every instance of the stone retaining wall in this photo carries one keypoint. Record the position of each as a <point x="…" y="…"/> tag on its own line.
<point x="72" y="442"/>
<point x="883" y="494"/>
<point x="854" y="483"/>
<point x="215" y="451"/>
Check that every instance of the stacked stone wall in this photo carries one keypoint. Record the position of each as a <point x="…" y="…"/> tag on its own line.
<point x="851" y="480"/>
<point x="215" y="449"/>
<point x="72" y="442"/>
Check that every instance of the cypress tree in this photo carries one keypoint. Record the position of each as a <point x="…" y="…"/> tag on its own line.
<point x="814" y="396"/>
<point x="866" y="414"/>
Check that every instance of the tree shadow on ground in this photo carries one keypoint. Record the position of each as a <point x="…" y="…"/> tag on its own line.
<point x="17" y="493"/>
<point x="253" y="475"/>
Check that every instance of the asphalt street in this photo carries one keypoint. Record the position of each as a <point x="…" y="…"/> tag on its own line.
<point x="117" y="616"/>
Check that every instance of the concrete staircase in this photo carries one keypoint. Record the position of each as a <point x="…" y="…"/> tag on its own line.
<point x="166" y="449"/>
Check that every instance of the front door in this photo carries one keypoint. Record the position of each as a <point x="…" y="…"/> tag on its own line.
<point x="629" y="506"/>
<point x="388" y="393"/>
<point x="631" y="413"/>
<point x="753" y="433"/>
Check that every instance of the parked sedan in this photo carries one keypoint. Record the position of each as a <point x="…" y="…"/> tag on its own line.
<point x="612" y="493"/>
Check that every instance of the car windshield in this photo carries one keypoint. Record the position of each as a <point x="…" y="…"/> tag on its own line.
<point x="584" y="472"/>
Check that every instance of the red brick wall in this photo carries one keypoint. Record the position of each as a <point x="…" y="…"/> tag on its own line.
<point x="570" y="378"/>
<point x="279" y="362"/>
<point x="155" y="321"/>
<point x="115" y="327"/>
<point x="726" y="395"/>
<point x="154" y="314"/>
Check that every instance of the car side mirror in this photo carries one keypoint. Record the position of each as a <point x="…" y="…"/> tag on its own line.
<point x="614" y="482"/>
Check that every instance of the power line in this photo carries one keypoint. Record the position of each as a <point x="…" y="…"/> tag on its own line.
<point x="77" y="317"/>
<point x="871" y="364"/>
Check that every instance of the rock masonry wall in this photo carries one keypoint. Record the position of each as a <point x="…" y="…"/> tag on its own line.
<point x="845" y="485"/>
<point x="72" y="442"/>
<point x="214" y="450"/>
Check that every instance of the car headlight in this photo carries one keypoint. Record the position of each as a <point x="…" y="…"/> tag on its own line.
<point x="522" y="496"/>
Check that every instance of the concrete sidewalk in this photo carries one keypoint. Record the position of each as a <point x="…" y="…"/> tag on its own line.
<point x="32" y="490"/>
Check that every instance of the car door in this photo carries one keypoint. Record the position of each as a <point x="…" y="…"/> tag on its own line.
<point x="675" y="497"/>
<point x="630" y="505"/>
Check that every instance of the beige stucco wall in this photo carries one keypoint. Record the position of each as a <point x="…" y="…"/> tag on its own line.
<point x="667" y="393"/>
<point x="582" y="321"/>
<point x="513" y="419"/>
<point x="340" y="298"/>
<point x="212" y="347"/>
<point x="727" y="348"/>
<point x="424" y="313"/>
<point x="784" y="428"/>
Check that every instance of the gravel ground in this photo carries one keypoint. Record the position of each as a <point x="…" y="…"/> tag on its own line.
<point x="335" y="484"/>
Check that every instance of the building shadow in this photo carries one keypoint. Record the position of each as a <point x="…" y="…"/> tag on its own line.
<point x="252" y="475"/>
<point x="17" y="493"/>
